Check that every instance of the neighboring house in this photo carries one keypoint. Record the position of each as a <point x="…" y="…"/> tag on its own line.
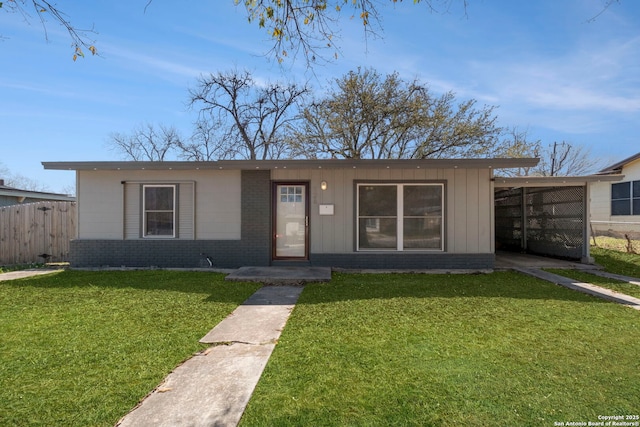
<point x="615" y="207"/>
<point x="405" y="214"/>
<point x="13" y="196"/>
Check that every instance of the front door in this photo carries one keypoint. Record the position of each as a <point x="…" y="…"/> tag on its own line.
<point x="291" y="220"/>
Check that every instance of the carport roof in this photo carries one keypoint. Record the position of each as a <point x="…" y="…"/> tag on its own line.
<point x="498" y="163"/>
<point x="553" y="181"/>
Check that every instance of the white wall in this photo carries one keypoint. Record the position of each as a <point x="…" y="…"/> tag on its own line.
<point x="600" y="205"/>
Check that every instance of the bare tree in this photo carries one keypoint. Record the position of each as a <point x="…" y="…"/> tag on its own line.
<point x="556" y="159"/>
<point x="516" y="144"/>
<point x="251" y="120"/>
<point x="21" y="182"/>
<point x="206" y="142"/>
<point x="146" y="143"/>
<point x="564" y="159"/>
<point x="368" y="116"/>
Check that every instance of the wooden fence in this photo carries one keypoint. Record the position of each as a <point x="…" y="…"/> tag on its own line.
<point x="36" y="232"/>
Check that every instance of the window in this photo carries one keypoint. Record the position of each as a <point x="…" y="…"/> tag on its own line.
<point x="159" y="210"/>
<point x="291" y="194"/>
<point x="400" y="216"/>
<point x="625" y="198"/>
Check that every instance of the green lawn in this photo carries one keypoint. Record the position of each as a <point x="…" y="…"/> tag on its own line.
<point x="445" y="350"/>
<point x="82" y="348"/>
<point x="617" y="262"/>
<point x="613" y="261"/>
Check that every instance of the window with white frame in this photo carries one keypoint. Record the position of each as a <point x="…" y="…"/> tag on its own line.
<point x="159" y="213"/>
<point x="400" y="217"/>
<point x="625" y="198"/>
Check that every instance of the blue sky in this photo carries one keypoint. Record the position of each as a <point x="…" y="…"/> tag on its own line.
<point x="542" y="63"/>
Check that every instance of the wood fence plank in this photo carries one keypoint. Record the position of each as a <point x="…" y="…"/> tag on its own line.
<point x="33" y="229"/>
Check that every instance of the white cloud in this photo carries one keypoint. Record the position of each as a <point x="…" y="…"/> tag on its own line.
<point x="596" y="78"/>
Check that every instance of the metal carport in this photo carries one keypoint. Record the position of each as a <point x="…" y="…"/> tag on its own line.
<point x="545" y="215"/>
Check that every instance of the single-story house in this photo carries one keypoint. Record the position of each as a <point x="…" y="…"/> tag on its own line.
<point x="404" y="214"/>
<point x="615" y="206"/>
<point x="10" y="196"/>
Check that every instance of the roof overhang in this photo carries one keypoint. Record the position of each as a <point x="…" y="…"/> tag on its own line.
<point x="554" y="181"/>
<point x="617" y="167"/>
<point x="24" y="194"/>
<point x="498" y="163"/>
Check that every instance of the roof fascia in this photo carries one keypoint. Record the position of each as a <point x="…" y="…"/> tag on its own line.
<point x="554" y="181"/>
<point x="37" y="195"/>
<point x="498" y="163"/>
<point x="617" y="167"/>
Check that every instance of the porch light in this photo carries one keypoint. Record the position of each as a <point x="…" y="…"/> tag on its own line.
<point x="323" y="185"/>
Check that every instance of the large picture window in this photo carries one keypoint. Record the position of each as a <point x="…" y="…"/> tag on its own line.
<point x="625" y="198"/>
<point x="400" y="217"/>
<point x="159" y="203"/>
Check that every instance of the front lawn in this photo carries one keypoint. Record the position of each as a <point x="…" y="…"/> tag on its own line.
<point x="445" y="350"/>
<point x="617" y="262"/>
<point x="82" y="348"/>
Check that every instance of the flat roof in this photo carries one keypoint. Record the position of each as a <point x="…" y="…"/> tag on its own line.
<point x="553" y="181"/>
<point x="17" y="192"/>
<point x="498" y="163"/>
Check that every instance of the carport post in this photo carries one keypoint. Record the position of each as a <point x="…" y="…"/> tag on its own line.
<point x="586" y="221"/>
<point x="523" y="208"/>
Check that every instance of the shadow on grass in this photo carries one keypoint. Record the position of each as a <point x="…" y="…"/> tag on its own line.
<point x="618" y="262"/>
<point x="210" y="285"/>
<point x="505" y="285"/>
<point x="343" y="286"/>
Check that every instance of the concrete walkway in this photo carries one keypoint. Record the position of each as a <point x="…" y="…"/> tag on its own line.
<point x="281" y="275"/>
<point x="214" y="387"/>
<point x="20" y="274"/>
<point x="586" y="288"/>
<point x="632" y="280"/>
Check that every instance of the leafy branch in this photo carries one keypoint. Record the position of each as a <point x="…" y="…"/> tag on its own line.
<point x="80" y="39"/>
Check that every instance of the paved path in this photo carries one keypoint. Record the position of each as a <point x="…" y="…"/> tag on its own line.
<point x="632" y="280"/>
<point x="27" y="273"/>
<point x="587" y="288"/>
<point x="214" y="387"/>
<point x="281" y="275"/>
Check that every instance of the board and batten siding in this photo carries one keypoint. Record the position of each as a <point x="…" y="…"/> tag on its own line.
<point x="467" y="215"/>
<point x="208" y="203"/>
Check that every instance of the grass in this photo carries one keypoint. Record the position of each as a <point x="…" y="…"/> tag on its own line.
<point x="615" y="244"/>
<point x="82" y="348"/>
<point x="445" y="350"/>
<point x="617" y="262"/>
<point x="613" y="261"/>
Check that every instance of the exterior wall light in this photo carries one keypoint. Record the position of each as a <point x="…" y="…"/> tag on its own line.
<point x="323" y="185"/>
